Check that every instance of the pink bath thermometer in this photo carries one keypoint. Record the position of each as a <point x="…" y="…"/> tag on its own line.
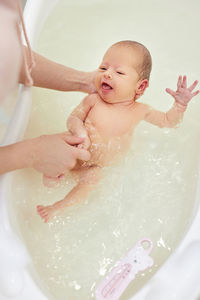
<point x="116" y="282"/>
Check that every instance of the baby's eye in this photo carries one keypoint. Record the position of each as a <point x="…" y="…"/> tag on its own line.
<point x="121" y="73"/>
<point x="102" y="68"/>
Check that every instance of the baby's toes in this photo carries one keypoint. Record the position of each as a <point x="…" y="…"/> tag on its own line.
<point x="39" y="208"/>
<point x="42" y="211"/>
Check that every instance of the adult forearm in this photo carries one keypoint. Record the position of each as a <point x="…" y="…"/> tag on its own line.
<point x="52" y="75"/>
<point x="15" y="156"/>
<point x="51" y="155"/>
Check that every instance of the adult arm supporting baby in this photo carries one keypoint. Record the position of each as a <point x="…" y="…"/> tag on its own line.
<point x="61" y="154"/>
<point x="49" y="74"/>
<point x="52" y="155"/>
<point x="182" y="97"/>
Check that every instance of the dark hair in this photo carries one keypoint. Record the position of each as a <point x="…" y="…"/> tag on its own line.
<point x="146" y="65"/>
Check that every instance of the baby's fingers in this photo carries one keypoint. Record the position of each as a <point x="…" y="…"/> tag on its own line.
<point x="80" y="146"/>
<point x="191" y="88"/>
<point x="184" y="83"/>
<point x="172" y="93"/>
<point x="82" y="154"/>
<point x="179" y="83"/>
<point x="195" y="93"/>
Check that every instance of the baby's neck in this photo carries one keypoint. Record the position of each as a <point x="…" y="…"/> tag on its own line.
<point x="127" y="103"/>
<point x="123" y="103"/>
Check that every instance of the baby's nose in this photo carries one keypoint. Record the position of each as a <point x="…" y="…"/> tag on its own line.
<point x="107" y="75"/>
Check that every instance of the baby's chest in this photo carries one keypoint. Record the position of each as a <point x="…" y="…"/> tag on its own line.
<point x="111" y="122"/>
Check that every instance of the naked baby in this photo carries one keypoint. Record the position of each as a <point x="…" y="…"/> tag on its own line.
<point x="107" y="118"/>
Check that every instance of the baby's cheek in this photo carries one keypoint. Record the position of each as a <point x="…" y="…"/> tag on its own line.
<point x="131" y="91"/>
<point x="128" y="92"/>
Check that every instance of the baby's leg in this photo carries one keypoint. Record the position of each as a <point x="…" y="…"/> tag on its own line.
<point x="88" y="179"/>
<point x="52" y="181"/>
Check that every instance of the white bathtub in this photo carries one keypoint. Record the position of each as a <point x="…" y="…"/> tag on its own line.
<point x="177" y="279"/>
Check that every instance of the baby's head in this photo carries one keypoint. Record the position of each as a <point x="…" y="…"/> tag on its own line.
<point x="124" y="72"/>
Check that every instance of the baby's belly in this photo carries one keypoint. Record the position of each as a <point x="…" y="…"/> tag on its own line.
<point x="105" y="150"/>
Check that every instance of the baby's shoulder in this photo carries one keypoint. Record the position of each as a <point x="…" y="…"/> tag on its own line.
<point x="91" y="99"/>
<point x="144" y="109"/>
<point x="143" y="106"/>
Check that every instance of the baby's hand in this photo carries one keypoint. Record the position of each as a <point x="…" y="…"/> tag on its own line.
<point x="183" y="95"/>
<point x="85" y="144"/>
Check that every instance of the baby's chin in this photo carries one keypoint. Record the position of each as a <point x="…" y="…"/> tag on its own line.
<point x="106" y="98"/>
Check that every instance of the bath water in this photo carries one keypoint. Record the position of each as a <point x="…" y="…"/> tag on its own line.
<point x="149" y="193"/>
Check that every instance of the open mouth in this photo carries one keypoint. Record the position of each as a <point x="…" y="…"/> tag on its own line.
<point x="106" y="86"/>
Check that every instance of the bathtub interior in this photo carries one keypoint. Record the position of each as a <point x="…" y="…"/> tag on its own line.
<point x="156" y="200"/>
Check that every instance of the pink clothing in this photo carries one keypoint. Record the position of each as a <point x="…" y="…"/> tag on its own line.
<point x="12" y="52"/>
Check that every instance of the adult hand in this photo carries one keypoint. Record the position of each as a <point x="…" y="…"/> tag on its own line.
<point x="90" y="80"/>
<point x="55" y="154"/>
<point x="85" y="144"/>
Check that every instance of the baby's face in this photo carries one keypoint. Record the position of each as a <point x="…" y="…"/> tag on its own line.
<point x="117" y="78"/>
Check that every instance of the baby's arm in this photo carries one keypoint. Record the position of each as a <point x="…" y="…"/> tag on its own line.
<point x="182" y="97"/>
<point x="75" y="122"/>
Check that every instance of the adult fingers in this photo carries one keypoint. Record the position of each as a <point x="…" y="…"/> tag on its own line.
<point x="73" y="140"/>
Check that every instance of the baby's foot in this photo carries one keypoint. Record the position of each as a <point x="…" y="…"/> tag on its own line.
<point x="48" y="212"/>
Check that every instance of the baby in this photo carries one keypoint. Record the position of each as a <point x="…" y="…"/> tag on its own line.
<point x="107" y="119"/>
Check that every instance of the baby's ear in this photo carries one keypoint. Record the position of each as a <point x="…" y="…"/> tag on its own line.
<point x="141" y="87"/>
